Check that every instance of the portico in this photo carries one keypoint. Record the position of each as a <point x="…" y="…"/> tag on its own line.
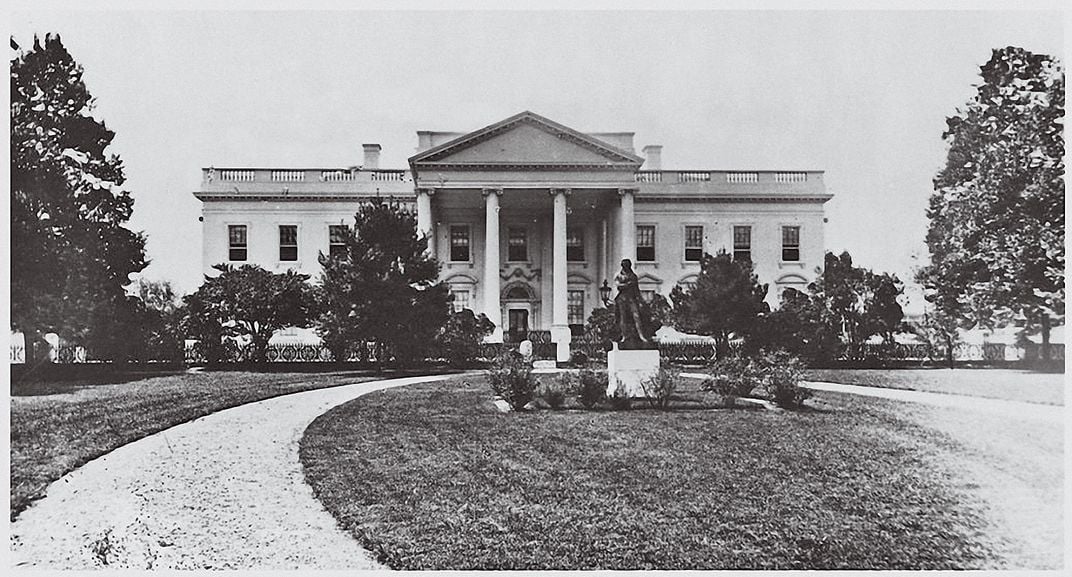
<point x="554" y="198"/>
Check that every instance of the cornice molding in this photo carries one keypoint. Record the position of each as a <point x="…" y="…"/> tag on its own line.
<point x="721" y="199"/>
<point x="516" y="166"/>
<point x="212" y="196"/>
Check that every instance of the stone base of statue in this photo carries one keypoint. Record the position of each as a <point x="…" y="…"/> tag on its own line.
<point x="626" y="369"/>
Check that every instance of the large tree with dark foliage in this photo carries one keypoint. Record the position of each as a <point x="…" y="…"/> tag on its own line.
<point x="997" y="219"/>
<point x="248" y="301"/>
<point x="856" y="303"/>
<point x="383" y="287"/>
<point x="725" y="301"/>
<point x="71" y="255"/>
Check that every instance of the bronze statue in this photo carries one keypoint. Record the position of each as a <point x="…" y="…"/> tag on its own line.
<point x="629" y="309"/>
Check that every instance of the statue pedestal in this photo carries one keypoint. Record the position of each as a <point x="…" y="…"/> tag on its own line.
<point x="627" y="369"/>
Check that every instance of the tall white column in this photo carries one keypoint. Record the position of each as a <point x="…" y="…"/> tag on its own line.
<point x="425" y="218"/>
<point x="560" y="332"/>
<point x="627" y="232"/>
<point x="492" y="307"/>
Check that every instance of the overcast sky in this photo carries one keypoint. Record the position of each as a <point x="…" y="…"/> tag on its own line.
<point x="861" y="95"/>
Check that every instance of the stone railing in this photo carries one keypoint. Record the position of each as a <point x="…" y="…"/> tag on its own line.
<point x="269" y="175"/>
<point x="732" y="177"/>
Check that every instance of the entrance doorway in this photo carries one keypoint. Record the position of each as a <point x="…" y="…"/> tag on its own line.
<point x="517" y="322"/>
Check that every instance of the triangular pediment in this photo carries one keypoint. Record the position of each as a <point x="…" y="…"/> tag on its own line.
<point x="528" y="140"/>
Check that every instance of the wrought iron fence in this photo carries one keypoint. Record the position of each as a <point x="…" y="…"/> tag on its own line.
<point x="683" y="352"/>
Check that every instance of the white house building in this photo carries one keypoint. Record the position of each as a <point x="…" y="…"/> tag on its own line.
<point x="528" y="218"/>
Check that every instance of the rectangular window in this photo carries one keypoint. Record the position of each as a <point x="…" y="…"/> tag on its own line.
<point x="575" y="307"/>
<point x="288" y="242"/>
<point x="459" y="300"/>
<point x="791" y="243"/>
<point x="459" y="243"/>
<point x="742" y="243"/>
<point x="337" y="234"/>
<point x="647" y="295"/>
<point x="693" y="243"/>
<point x="575" y="245"/>
<point x="645" y="243"/>
<point x="236" y="242"/>
<point x="517" y="244"/>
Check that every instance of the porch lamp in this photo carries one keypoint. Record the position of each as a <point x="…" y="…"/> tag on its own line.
<point x="604" y="293"/>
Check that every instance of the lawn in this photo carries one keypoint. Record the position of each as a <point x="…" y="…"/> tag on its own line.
<point x="432" y="477"/>
<point x="58" y="426"/>
<point x="1008" y="384"/>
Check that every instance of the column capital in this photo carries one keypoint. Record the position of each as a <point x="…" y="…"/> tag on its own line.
<point x="563" y="191"/>
<point x="625" y="191"/>
<point x="496" y="190"/>
<point x="426" y="190"/>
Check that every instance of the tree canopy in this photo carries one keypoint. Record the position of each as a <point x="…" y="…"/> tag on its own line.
<point x="249" y="301"/>
<point x="996" y="235"/>
<point x="726" y="300"/>
<point x="383" y="287"/>
<point x="71" y="256"/>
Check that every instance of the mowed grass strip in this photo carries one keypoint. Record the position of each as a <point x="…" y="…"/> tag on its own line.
<point x="58" y="426"/>
<point x="1006" y="384"/>
<point x="431" y="477"/>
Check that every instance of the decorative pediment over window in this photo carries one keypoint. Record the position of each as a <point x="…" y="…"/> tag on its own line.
<point x="791" y="279"/>
<point x="523" y="142"/>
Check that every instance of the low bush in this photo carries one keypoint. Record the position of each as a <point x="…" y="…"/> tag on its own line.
<point x="592" y="387"/>
<point x="776" y="375"/>
<point x="620" y="399"/>
<point x="554" y="391"/>
<point x="782" y="383"/>
<point x="660" y="387"/>
<point x="511" y="378"/>
<point x="732" y="377"/>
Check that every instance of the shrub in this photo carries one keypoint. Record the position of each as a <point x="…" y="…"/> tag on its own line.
<point x="511" y="378"/>
<point x="554" y="391"/>
<point x="782" y="383"/>
<point x="732" y="377"/>
<point x="578" y="359"/>
<point x="620" y="400"/>
<point x="660" y="387"/>
<point x="776" y="374"/>
<point x="592" y="387"/>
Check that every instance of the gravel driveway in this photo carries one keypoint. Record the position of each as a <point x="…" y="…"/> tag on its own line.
<point x="1008" y="456"/>
<point x="225" y="491"/>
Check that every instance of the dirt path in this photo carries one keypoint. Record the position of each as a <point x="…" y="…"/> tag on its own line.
<point x="225" y="491"/>
<point x="1007" y="455"/>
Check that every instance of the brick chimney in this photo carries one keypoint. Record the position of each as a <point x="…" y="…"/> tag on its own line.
<point x="653" y="154"/>
<point x="372" y="156"/>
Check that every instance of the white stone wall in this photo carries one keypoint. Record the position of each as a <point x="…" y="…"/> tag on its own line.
<point x="262" y="219"/>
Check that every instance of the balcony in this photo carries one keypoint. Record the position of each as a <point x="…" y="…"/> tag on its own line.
<point x="311" y="182"/>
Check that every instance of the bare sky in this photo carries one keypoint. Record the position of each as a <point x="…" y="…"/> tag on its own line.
<point x="862" y="95"/>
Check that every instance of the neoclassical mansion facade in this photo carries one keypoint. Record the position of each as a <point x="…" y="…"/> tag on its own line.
<point x="528" y="218"/>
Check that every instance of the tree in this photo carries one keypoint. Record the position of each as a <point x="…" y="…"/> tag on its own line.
<point x="855" y="303"/>
<point x="70" y="253"/>
<point x="461" y="336"/>
<point x="252" y="302"/>
<point x="946" y="315"/>
<point x="384" y="287"/>
<point x="996" y="235"/>
<point x="801" y="326"/>
<point x="726" y="300"/>
<point x="160" y="320"/>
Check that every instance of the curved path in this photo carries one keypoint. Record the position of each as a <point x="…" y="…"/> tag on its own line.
<point x="225" y="491"/>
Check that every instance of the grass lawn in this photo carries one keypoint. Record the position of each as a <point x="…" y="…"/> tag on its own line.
<point x="1008" y="384"/>
<point x="432" y="477"/>
<point x="58" y="426"/>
